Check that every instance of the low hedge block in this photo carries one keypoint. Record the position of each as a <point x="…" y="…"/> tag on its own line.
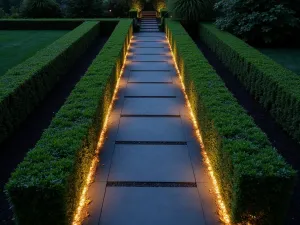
<point x="25" y="85"/>
<point x="274" y="86"/>
<point x="45" y="188"/>
<point x="255" y="181"/>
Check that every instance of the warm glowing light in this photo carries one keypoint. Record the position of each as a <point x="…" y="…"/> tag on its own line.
<point x="82" y="209"/>
<point x="220" y="203"/>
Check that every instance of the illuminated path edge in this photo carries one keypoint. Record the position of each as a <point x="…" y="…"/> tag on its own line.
<point x="150" y="168"/>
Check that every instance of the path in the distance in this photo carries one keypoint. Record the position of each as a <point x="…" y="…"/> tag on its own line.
<point x="151" y="170"/>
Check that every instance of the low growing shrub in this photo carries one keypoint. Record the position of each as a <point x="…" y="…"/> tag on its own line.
<point x="255" y="181"/>
<point x="46" y="186"/>
<point x="275" y="87"/>
<point x="25" y="85"/>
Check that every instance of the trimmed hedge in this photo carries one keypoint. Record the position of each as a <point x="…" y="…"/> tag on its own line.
<point x="275" y="87"/>
<point x="255" y="181"/>
<point x="50" y="24"/>
<point x="46" y="186"/>
<point x="25" y="85"/>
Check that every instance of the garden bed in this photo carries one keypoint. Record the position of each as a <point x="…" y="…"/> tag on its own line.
<point x="24" y="86"/>
<point x="48" y="183"/>
<point x="14" y="149"/>
<point x="255" y="181"/>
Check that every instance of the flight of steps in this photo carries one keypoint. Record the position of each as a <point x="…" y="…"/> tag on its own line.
<point x="149" y="22"/>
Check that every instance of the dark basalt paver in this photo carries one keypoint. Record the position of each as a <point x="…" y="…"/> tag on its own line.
<point x="134" y="89"/>
<point x="151" y="106"/>
<point x="155" y="51"/>
<point x="150" y="58"/>
<point x="147" y="66"/>
<point x="148" y="38"/>
<point x="149" y="206"/>
<point x="150" y="45"/>
<point x="158" y="129"/>
<point x="152" y="34"/>
<point x="135" y="163"/>
<point x="151" y="170"/>
<point x="150" y="76"/>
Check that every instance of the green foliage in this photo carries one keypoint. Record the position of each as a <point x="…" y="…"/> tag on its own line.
<point x="257" y="21"/>
<point x="275" y="87"/>
<point x="255" y="181"/>
<point x="84" y="8"/>
<point x="25" y="85"/>
<point x="191" y="10"/>
<point x="2" y="13"/>
<point x="136" y="4"/>
<point x="48" y="183"/>
<point x="40" y="9"/>
<point x="159" y="4"/>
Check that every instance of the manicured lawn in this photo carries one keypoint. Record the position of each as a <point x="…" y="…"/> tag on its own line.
<point x="290" y="58"/>
<point x="18" y="45"/>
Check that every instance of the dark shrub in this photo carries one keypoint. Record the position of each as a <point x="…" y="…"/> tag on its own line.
<point x="259" y="21"/>
<point x="40" y="9"/>
<point x="84" y="8"/>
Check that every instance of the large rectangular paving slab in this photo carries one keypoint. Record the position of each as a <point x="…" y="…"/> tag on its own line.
<point x="150" y="65"/>
<point x="135" y="163"/>
<point x="150" y="45"/>
<point x="150" y="34"/>
<point x="150" y="58"/>
<point x="155" y="51"/>
<point x="149" y="38"/>
<point x="151" y="206"/>
<point x="151" y="106"/>
<point x="152" y="129"/>
<point x="158" y="90"/>
<point x="150" y="76"/>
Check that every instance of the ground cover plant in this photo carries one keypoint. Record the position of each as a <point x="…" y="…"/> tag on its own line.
<point x="287" y="57"/>
<point x="255" y="181"/>
<point x="25" y="85"/>
<point x="274" y="86"/>
<point x="50" y="178"/>
<point x="18" y="45"/>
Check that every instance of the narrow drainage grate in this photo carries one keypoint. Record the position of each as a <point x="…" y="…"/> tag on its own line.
<point x="149" y="184"/>
<point x="139" y="115"/>
<point x="150" y="82"/>
<point x="133" y="96"/>
<point x="151" y="142"/>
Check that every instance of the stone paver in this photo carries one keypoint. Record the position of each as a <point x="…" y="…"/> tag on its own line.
<point x="151" y="206"/>
<point x="135" y="163"/>
<point x="151" y="106"/>
<point x="151" y="170"/>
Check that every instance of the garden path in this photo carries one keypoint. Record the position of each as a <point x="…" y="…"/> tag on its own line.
<point x="151" y="170"/>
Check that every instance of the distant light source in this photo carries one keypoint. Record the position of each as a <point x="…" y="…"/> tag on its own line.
<point x="110" y="10"/>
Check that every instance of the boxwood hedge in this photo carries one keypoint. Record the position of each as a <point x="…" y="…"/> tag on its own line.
<point x="255" y="181"/>
<point x="25" y="85"/>
<point x="45" y="187"/>
<point x="275" y="87"/>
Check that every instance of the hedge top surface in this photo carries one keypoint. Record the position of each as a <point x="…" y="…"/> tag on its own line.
<point x="52" y="160"/>
<point x="262" y="62"/>
<point x="17" y="75"/>
<point x="68" y="20"/>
